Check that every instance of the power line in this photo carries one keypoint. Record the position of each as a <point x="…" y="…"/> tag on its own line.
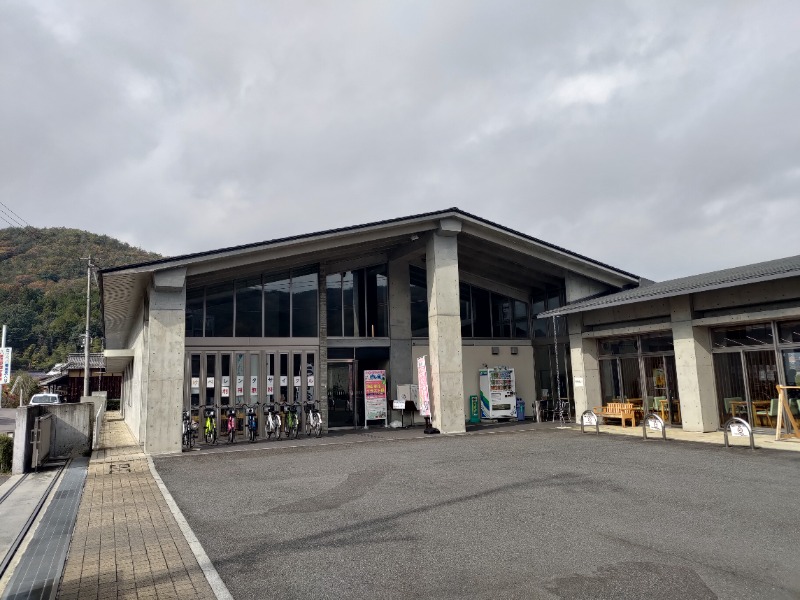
<point x="15" y="224"/>
<point x="13" y="213"/>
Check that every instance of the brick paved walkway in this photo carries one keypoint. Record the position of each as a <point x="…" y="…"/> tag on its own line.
<point x="126" y="542"/>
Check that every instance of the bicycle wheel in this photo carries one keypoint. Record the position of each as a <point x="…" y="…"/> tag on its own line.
<point x="214" y="435"/>
<point x="309" y="425"/>
<point x="317" y="425"/>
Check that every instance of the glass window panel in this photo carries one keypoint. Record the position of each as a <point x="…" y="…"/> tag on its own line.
<point x="269" y="373"/>
<point x="539" y="325"/>
<point x="657" y="342"/>
<point x="377" y="302"/>
<point x="304" y="304"/>
<point x="255" y="380"/>
<point x="482" y="317"/>
<point x="501" y="316"/>
<point x="194" y="312"/>
<point x="297" y="376"/>
<point x="195" y="383"/>
<point x="219" y="310"/>
<point x="730" y="385"/>
<point x="226" y="384"/>
<point x="554" y="299"/>
<point x="609" y="381"/>
<point x="747" y="335"/>
<point x="465" y="303"/>
<point x="277" y="304"/>
<point x="248" y="307"/>
<point x="543" y="370"/>
<point x="631" y="379"/>
<point x="284" y="378"/>
<point x="359" y="299"/>
<point x="333" y="283"/>
<point x="791" y="370"/>
<point x="789" y="333"/>
<point x="521" y="320"/>
<point x="618" y="346"/>
<point x="348" y="300"/>
<point x="419" y="302"/>
<point x="310" y="377"/>
<point x="240" y="382"/>
<point x="211" y="378"/>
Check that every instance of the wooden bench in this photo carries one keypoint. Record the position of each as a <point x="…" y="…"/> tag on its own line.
<point x="624" y="411"/>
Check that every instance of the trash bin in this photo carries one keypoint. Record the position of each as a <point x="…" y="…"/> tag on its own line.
<point x="520" y="409"/>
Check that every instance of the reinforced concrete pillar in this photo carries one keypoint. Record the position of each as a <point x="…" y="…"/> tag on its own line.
<point x="444" y="327"/>
<point x="400" y="368"/>
<point x="695" y="369"/>
<point x="585" y="366"/>
<point x="164" y="377"/>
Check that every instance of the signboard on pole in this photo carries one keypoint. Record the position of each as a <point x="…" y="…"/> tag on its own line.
<point x="5" y="366"/>
<point x="375" y="395"/>
<point x="424" y="397"/>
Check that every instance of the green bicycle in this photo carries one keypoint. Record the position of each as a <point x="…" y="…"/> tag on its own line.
<point x="292" y="422"/>
<point x="211" y="426"/>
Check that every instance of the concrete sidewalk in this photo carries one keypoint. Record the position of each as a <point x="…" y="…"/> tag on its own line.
<point x="126" y="542"/>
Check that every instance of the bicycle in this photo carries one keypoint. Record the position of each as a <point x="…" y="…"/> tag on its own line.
<point x="211" y="426"/>
<point x="313" y="419"/>
<point x="187" y="437"/>
<point x="272" y="421"/>
<point x="252" y="422"/>
<point x="291" y="425"/>
<point x="231" y="426"/>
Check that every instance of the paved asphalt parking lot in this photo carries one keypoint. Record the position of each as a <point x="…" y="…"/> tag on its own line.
<point x="528" y="514"/>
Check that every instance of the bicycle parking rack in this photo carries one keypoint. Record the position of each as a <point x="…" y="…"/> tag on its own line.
<point x="589" y="418"/>
<point x="739" y="428"/>
<point x="654" y="422"/>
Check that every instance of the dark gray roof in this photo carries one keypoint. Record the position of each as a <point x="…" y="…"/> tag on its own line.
<point x="77" y="361"/>
<point x="765" y="271"/>
<point x="440" y="213"/>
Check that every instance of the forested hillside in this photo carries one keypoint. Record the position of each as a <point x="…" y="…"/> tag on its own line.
<point x="43" y="290"/>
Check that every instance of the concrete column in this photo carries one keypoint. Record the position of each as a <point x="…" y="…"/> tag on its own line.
<point x="400" y="361"/>
<point x="322" y="360"/>
<point x="165" y="369"/>
<point x="444" y="324"/>
<point x="583" y="356"/>
<point x="695" y="368"/>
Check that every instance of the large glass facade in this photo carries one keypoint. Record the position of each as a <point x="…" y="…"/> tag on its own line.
<point x="641" y="370"/>
<point x="275" y="305"/>
<point x="484" y="314"/>
<point x="219" y="310"/>
<point x="248" y="308"/>
<point x="358" y="303"/>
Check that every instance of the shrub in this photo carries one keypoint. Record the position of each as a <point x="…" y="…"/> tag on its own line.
<point x="6" y="452"/>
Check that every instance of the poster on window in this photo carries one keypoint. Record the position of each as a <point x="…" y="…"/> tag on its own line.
<point x="225" y="389"/>
<point x="254" y="385"/>
<point x="375" y="395"/>
<point x="270" y="385"/>
<point x="424" y="398"/>
<point x="239" y="385"/>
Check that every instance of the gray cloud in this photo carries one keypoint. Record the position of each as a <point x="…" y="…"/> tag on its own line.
<point x="660" y="138"/>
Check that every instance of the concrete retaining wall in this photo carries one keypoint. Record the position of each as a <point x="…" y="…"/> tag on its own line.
<point x="71" y="433"/>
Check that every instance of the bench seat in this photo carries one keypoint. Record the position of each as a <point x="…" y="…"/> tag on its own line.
<point x="624" y="411"/>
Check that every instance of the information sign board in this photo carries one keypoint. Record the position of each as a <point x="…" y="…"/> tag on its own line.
<point x="5" y="366"/>
<point x="375" y="395"/>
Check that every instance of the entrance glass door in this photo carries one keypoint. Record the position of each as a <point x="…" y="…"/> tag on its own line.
<point x="341" y="394"/>
<point x="746" y="383"/>
<point x="662" y="388"/>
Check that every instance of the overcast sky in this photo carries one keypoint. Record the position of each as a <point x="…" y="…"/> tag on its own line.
<point x="660" y="137"/>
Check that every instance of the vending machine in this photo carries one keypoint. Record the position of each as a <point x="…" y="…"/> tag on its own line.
<point x="498" y="393"/>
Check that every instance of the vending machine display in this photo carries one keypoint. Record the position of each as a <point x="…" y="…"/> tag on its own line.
<point x="498" y="393"/>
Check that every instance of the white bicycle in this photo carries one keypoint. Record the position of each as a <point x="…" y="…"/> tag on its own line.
<point x="313" y="419"/>
<point x="272" y="422"/>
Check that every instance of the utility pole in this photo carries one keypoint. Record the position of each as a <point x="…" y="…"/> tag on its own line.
<point x="88" y="313"/>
